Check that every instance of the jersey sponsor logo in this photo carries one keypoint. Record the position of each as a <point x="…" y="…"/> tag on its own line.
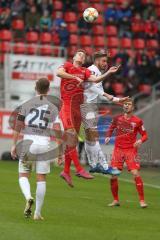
<point x="70" y="86"/>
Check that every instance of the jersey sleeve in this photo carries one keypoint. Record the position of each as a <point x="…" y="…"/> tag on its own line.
<point x="111" y="128"/>
<point x="87" y="74"/>
<point x="22" y="113"/>
<point x="66" y="66"/>
<point x="96" y="90"/>
<point x="142" y="131"/>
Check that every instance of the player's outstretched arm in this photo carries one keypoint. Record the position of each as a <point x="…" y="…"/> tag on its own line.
<point x="61" y="72"/>
<point x="95" y="79"/>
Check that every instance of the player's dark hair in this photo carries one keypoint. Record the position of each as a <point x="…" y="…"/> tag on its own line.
<point x="130" y="100"/>
<point x="42" y="85"/>
<point x="101" y="53"/>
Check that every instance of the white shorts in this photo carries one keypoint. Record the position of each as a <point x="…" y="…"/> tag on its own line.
<point x="35" y="160"/>
<point x="89" y="113"/>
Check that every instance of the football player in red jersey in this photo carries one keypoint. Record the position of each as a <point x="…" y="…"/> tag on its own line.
<point x="72" y="75"/>
<point x="127" y="126"/>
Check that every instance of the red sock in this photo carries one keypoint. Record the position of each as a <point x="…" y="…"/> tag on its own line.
<point x="74" y="156"/>
<point x="67" y="162"/>
<point x="114" y="188"/>
<point x="139" y="187"/>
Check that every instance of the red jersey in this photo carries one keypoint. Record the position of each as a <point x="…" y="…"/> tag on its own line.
<point x="127" y="130"/>
<point x="69" y="87"/>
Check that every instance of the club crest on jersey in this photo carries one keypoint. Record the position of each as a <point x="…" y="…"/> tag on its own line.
<point x="133" y="124"/>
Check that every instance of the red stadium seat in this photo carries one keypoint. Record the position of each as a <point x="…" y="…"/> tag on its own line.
<point x="2" y="56"/>
<point x="72" y="27"/>
<point x="157" y="3"/>
<point x="94" y="1"/>
<point x="152" y="44"/>
<point x="55" y="39"/>
<point x="126" y="43"/>
<point x="5" y="35"/>
<point x="45" y="37"/>
<point x="89" y="50"/>
<point x="139" y="43"/>
<point x="158" y="12"/>
<point x="46" y="50"/>
<point x="73" y="39"/>
<point x="131" y="53"/>
<point x="71" y="51"/>
<point x="99" y="41"/>
<point x="32" y="37"/>
<point x="99" y="20"/>
<point x="120" y="2"/>
<point x="113" y="52"/>
<point x="145" y="88"/>
<point x="19" y="48"/>
<point x="58" y="5"/>
<point x="32" y="49"/>
<point x="70" y="17"/>
<point x="118" y="88"/>
<point x="85" y="40"/>
<point x="5" y="47"/>
<point x="82" y="6"/>
<point x="112" y="42"/>
<point x="108" y="1"/>
<point x="56" y="52"/>
<point x="111" y="30"/>
<point x="98" y="30"/>
<point x="18" y="24"/>
<point x="98" y="6"/>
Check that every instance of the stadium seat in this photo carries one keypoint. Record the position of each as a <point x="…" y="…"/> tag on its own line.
<point x="19" y="48"/>
<point x="72" y="27"/>
<point x="85" y="40"/>
<point x="111" y="30"/>
<point x="56" y="52"/>
<point x="70" y="17"/>
<point x="71" y="51"/>
<point x="98" y="30"/>
<point x="126" y="43"/>
<point x="108" y="1"/>
<point x="45" y="37"/>
<point x="32" y="49"/>
<point x="73" y="40"/>
<point x="58" y="5"/>
<point x="99" y="20"/>
<point x="5" y="35"/>
<point x="89" y="50"/>
<point x="131" y="53"/>
<point x="99" y="41"/>
<point x="157" y="3"/>
<point x="94" y="1"/>
<point x="55" y="39"/>
<point x="112" y="42"/>
<point x="113" y="52"/>
<point x="18" y="24"/>
<point x="32" y="37"/>
<point x="2" y="56"/>
<point x="139" y="43"/>
<point x="98" y="6"/>
<point x="158" y="11"/>
<point x="120" y="2"/>
<point x="118" y="88"/>
<point x="46" y="50"/>
<point x="145" y="88"/>
<point x="82" y="6"/>
<point x="5" y="47"/>
<point x="152" y="44"/>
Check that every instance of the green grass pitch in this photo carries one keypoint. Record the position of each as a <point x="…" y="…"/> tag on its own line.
<point x="80" y="213"/>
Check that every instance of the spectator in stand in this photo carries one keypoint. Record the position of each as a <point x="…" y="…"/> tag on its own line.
<point x="110" y="14"/>
<point x="123" y="57"/>
<point x="124" y="15"/>
<point x="30" y="4"/>
<point x="151" y="28"/>
<point x="57" y="21"/>
<point x="69" y="5"/>
<point x="138" y="26"/>
<point x="149" y="10"/>
<point x="45" y="22"/>
<point x="84" y="27"/>
<point x="5" y="19"/>
<point x="63" y="35"/>
<point x="137" y="6"/>
<point x="32" y="19"/>
<point x="45" y="5"/>
<point x="18" y="9"/>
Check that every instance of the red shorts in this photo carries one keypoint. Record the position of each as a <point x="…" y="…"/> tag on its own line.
<point x="129" y="156"/>
<point x="70" y="113"/>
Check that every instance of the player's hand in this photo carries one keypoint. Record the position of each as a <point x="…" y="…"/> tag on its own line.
<point x="60" y="160"/>
<point x="138" y="143"/>
<point x="13" y="152"/>
<point x="107" y="140"/>
<point x="114" y="69"/>
<point x="122" y="100"/>
<point x="79" y="80"/>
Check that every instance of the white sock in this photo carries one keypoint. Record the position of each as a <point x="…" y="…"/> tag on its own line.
<point x="25" y="187"/>
<point x="91" y="153"/>
<point x="101" y="157"/>
<point x="40" y="193"/>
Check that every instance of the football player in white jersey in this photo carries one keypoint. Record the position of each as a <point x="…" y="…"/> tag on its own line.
<point x="89" y="109"/>
<point x="35" y="120"/>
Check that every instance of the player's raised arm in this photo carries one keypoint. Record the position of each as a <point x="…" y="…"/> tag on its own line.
<point x="62" y="73"/>
<point x="111" y="70"/>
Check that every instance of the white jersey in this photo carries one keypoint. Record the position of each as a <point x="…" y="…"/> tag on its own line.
<point x="38" y="115"/>
<point x="92" y="90"/>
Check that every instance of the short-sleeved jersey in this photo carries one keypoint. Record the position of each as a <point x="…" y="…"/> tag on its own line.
<point x="92" y="90"/>
<point x="38" y="115"/>
<point x="69" y="87"/>
<point x="126" y="131"/>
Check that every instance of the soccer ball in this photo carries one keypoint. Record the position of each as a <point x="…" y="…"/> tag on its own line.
<point x="90" y="14"/>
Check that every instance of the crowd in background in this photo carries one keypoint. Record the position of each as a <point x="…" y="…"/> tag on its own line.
<point x="143" y="67"/>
